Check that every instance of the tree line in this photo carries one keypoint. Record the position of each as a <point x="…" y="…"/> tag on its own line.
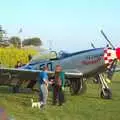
<point x="16" y="41"/>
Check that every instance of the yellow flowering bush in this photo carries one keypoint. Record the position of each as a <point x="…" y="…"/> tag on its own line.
<point x="10" y="56"/>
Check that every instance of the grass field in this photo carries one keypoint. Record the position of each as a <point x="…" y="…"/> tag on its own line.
<point x="88" y="106"/>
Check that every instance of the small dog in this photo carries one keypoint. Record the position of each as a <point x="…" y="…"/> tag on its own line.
<point x="35" y="104"/>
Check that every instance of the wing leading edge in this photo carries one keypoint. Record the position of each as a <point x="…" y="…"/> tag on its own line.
<point x="8" y="74"/>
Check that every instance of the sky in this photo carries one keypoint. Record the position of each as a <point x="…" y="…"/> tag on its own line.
<point x="69" y="25"/>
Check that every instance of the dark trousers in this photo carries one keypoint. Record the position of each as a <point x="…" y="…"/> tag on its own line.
<point x="58" y="95"/>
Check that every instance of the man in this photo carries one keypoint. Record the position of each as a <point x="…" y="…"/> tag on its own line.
<point x="58" y="85"/>
<point x="29" y="57"/>
<point x="43" y="81"/>
<point x="19" y="64"/>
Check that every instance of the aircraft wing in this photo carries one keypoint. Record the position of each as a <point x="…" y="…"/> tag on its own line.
<point x="18" y="73"/>
<point x="73" y="75"/>
<point x="11" y="76"/>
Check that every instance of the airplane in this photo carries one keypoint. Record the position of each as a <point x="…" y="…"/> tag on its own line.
<point x="78" y="67"/>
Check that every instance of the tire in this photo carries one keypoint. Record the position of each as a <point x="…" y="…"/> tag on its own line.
<point x="74" y="87"/>
<point x="77" y="86"/>
<point x="15" y="89"/>
<point x="106" y="94"/>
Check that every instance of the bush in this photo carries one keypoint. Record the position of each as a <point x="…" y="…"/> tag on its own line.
<point x="10" y="56"/>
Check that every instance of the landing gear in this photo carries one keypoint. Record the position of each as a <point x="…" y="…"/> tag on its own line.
<point x="77" y="86"/>
<point x="105" y="92"/>
<point x="96" y="79"/>
<point x="15" y="89"/>
<point x="16" y="85"/>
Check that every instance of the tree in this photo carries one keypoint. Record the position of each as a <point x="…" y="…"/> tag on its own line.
<point x="2" y="33"/>
<point x="32" y="41"/>
<point x="15" y="41"/>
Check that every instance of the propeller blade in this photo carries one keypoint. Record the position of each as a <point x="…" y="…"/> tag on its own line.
<point x="107" y="39"/>
<point x="111" y="70"/>
<point x="92" y="45"/>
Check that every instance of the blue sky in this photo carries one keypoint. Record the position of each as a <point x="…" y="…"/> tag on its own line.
<point x="70" y="24"/>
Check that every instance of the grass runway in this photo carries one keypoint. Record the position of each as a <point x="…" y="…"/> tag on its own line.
<point x="88" y="106"/>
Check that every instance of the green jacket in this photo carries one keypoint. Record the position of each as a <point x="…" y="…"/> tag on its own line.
<point x="62" y="77"/>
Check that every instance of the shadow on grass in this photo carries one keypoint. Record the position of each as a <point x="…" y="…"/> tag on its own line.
<point x="5" y="89"/>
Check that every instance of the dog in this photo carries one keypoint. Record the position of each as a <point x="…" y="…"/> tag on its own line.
<point x="35" y="104"/>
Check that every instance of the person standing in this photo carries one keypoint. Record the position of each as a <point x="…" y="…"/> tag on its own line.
<point x="43" y="83"/>
<point x="58" y="85"/>
<point x="17" y="86"/>
<point x="19" y="64"/>
<point x="29" y="57"/>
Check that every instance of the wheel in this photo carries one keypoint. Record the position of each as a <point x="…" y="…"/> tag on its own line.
<point x="77" y="86"/>
<point x="15" y="89"/>
<point x="74" y="87"/>
<point x="106" y="93"/>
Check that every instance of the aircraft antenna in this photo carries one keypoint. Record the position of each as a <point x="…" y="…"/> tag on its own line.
<point x="50" y="47"/>
<point x="50" y="44"/>
<point x="19" y="32"/>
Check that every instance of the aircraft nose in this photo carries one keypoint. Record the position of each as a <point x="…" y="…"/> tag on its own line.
<point x="118" y="53"/>
<point x="110" y="55"/>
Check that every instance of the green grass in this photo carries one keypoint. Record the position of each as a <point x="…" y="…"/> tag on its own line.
<point x="88" y="106"/>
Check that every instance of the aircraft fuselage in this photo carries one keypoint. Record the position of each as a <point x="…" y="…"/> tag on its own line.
<point x="83" y="62"/>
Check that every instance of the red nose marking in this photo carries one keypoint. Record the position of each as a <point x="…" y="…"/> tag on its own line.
<point x="118" y="53"/>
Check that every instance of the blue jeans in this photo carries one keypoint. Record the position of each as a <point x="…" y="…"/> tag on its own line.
<point x="43" y="93"/>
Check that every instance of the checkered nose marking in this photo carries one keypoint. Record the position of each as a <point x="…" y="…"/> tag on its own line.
<point x="109" y="56"/>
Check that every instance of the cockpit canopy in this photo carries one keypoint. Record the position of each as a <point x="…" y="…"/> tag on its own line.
<point x="53" y="55"/>
<point x="63" y="54"/>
